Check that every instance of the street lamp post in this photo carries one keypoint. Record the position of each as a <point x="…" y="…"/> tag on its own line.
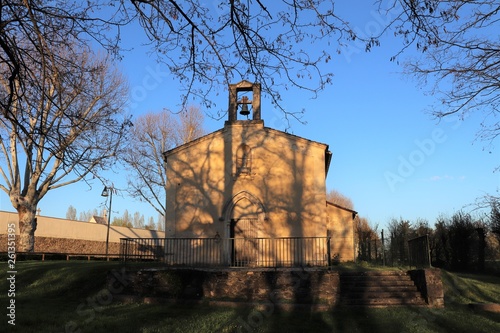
<point x="108" y="191"/>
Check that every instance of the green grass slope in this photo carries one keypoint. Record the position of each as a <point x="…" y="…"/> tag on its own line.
<point x="73" y="297"/>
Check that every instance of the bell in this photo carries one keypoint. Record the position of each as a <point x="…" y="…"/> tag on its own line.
<point x="244" y="106"/>
<point x="244" y="110"/>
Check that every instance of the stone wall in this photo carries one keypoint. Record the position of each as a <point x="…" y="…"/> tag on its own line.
<point x="47" y="244"/>
<point x="68" y="246"/>
<point x="286" y="286"/>
<point x="56" y="235"/>
<point x="429" y="283"/>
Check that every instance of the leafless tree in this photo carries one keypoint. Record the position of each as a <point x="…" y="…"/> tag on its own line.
<point x="367" y="239"/>
<point x="151" y="224"/>
<point x="65" y="126"/>
<point x="338" y="198"/>
<point x="151" y="136"/>
<point x="138" y="221"/>
<point x="189" y="126"/>
<point x="400" y="231"/>
<point x="126" y="220"/>
<point x="87" y="216"/>
<point x="71" y="213"/>
<point x="460" y="49"/>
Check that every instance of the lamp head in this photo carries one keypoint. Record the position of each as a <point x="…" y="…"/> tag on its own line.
<point x="105" y="192"/>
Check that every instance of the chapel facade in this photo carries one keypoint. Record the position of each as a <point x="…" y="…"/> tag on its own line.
<point x="250" y="182"/>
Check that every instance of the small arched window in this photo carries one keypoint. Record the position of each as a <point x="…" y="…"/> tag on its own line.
<point x="243" y="160"/>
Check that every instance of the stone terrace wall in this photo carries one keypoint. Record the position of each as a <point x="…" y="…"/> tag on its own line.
<point x="294" y="286"/>
<point x="284" y="286"/>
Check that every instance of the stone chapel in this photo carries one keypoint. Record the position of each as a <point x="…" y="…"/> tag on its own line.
<point x="257" y="192"/>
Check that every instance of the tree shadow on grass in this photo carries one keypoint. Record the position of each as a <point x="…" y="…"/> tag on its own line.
<point x="464" y="288"/>
<point x="168" y="318"/>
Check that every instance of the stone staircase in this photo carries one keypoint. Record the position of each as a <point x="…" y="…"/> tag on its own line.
<point x="378" y="289"/>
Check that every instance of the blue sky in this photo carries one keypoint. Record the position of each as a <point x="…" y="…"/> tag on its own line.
<point x="390" y="157"/>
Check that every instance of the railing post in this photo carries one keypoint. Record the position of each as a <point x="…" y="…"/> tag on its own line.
<point x="122" y="244"/>
<point x="383" y="248"/>
<point x="328" y="251"/>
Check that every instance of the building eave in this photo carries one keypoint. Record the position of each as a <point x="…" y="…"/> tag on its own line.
<point x="328" y="160"/>
<point x="353" y="212"/>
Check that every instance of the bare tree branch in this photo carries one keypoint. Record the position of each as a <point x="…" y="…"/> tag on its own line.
<point x="460" y="55"/>
<point x="152" y="135"/>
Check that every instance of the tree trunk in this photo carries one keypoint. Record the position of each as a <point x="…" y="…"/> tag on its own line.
<point x="27" y="227"/>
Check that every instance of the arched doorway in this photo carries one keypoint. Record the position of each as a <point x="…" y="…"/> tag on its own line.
<point x="244" y="242"/>
<point x="244" y="215"/>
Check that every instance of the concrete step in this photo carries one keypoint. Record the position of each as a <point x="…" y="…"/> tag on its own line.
<point x="378" y="290"/>
<point x="386" y="301"/>
<point x="379" y="295"/>
<point x="373" y="283"/>
<point x="374" y="273"/>
<point x="381" y="288"/>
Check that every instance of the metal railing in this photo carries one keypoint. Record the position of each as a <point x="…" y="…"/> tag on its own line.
<point x="235" y="252"/>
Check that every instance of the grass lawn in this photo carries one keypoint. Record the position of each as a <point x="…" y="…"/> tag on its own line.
<point x="72" y="297"/>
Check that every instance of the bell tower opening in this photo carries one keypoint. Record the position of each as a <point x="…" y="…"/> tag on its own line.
<point x="244" y="99"/>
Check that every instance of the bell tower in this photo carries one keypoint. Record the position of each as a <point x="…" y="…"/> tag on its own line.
<point x="240" y="102"/>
